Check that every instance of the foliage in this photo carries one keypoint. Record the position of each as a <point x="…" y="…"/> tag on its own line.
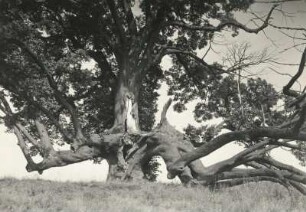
<point x="201" y="135"/>
<point x="65" y="35"/>
<point x="253" y="105"/>
<point x="56" y="98"/>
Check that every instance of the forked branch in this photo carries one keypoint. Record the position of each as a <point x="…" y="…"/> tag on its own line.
<point x="287" y="89"/>
<point x="224" y="24"/>
<point x="60" y="97"/>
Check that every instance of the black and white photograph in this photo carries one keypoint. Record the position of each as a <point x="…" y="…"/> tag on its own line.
<point x="152" y="105"/>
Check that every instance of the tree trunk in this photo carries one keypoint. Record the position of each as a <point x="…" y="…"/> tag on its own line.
<point x="166" y="141"/>
<point x="126" y="121"/>
<point x="126" y="102"/>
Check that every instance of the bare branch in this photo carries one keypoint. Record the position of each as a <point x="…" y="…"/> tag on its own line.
<point x="208" y="50"/>
<point x="224" y="24"/>
<point x="286" y="89"/>
<point x="288" y="28"/>
<point x="163" y="117"/>
<point x="174" y="50"/>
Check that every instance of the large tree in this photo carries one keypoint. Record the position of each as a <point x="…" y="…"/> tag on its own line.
<point x="50" y="97"/>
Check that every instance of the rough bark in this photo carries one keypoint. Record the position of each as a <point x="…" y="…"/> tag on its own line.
<point x="124" y="146"/>
<point x="126" y="101"/>
<point x="168" y="143"/>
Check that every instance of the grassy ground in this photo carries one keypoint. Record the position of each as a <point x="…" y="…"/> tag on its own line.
<point x="38" y="195"/>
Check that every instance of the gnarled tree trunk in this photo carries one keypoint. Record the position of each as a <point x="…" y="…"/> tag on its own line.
<point x="126" y="101"/>
<point x="126" y="121"/>
<point x="134" y="147"/>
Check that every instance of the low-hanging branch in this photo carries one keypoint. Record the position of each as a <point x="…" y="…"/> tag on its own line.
<point x="64" y="157"/>
<point x="272" y="134"/>
<point x="281" y="166"/>
<point x="244" y="156"/>
<point x="226" y="138"/>
<point x="51" y="158"/>
<point x="261" y="173"/>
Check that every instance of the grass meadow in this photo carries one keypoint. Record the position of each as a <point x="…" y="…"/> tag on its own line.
<point x="40" y="195"/>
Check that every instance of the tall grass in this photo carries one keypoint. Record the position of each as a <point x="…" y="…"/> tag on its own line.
<point x="39" y="195"/>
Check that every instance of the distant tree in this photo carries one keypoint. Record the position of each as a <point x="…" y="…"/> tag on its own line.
<point x="50" y="97"/>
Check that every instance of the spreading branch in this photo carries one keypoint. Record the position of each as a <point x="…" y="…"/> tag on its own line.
<point x="226" y="23"/>
<point x="63" y="158"/>
<point x="248" y="154"/>
<point x="51" y="116"/>
<point x="240" y="173"/>
<point x="281" y="166"/>
<point x="61" y="98"/>
<point x="44" y="146"/>
<point x="51" y="158"/>
<point x="226" y="138"/>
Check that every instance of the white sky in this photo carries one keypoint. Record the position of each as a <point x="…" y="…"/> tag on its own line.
<point x="12" y="162"/>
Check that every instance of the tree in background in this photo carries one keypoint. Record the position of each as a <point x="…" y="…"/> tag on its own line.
<point x="49" y="97"/>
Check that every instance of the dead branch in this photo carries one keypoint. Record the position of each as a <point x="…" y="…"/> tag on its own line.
<point x="286" y="89"/>
<point x="224" y="24"/>
<point x="163" y="117"/>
